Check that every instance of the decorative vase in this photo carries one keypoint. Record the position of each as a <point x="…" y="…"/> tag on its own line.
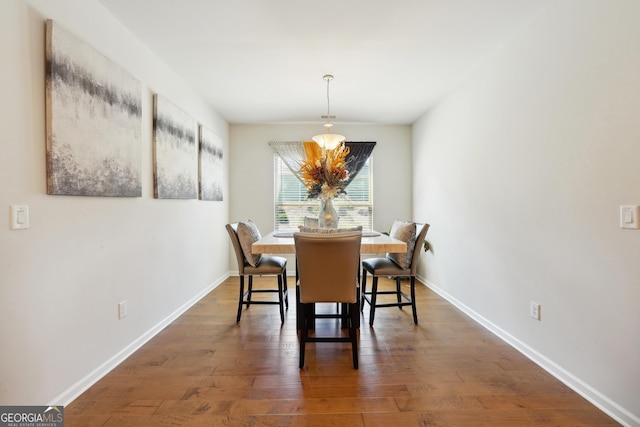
<point x="327" y="217"/>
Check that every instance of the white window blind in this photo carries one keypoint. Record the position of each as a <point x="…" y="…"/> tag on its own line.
<point x="291" y="203"/>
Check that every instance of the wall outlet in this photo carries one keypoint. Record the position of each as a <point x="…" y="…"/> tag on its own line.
<point x="122" y="309"/>
<point x="534" y="310"/>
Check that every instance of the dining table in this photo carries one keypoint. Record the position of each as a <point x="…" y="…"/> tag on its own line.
<point x="373" y="242"/>
<point x="282" y="243"/>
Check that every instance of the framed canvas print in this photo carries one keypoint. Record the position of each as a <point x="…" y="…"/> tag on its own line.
<point x="210" y="167"/>
<point x="175" y="152"/>
<point x="93" y="121"/>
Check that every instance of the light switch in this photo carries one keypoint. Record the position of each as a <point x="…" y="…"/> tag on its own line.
<point x="19" y="217"/>
<point x="629" y="217"/>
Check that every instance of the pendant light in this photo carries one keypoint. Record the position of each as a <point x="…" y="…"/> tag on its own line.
<point x="328" y="140"/>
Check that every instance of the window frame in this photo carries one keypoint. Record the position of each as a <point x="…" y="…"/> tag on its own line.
<point x="288" y="215"/>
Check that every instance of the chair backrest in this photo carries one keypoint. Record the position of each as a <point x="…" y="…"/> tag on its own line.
<point x="421" y="232"/>
<point x="310" y="221"/>
<point x="232" y="229"/>
<point x="328" y="266"/>
<point x="318" y="230"/>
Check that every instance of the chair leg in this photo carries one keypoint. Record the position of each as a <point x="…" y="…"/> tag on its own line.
<point x="249" y="291"/>
<point x="364" y="288"/>
<point x="304" y="333"/>
<point x="413" y="300"/>
<point x="299" y="311"/>
<point x="374" y="292"/>
<point x="281" y="298"/>
<point x="398" y="292"/>
<point x="240" y="299"/>
<point x="357" y="308"/>
<point x="355" y="315"/>
<point x="286" y="289"/>
<point x="343" y="311"/>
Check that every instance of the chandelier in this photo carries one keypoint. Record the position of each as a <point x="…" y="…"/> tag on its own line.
<point x="328" y="140"/>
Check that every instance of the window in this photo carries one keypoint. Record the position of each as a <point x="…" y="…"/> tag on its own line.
<point x="291" y="203"/>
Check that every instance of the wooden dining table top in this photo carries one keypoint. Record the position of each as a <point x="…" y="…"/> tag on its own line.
<point x="373" y="242"/>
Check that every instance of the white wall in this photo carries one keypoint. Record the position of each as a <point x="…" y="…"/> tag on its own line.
<point x="251" y="170"/>
<point x="521" y="173"/>
<point x="61" y="280"/>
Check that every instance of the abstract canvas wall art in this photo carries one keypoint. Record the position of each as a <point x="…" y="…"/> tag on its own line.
<point x="93" y="121"/>
<point x="175" y="152"/>
<point x="210" y="168"/>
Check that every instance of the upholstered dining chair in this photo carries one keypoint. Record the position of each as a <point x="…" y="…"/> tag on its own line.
<point x="328" y="265"/>
<point x="395" y="265"/>
<point x="312" y="229"/>
<point x="310" y="221"/>
<point x="243" y="235"/>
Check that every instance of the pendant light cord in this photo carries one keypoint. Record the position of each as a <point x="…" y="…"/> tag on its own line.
<point x="328" y="103"/>
<point x="328" y="78"/>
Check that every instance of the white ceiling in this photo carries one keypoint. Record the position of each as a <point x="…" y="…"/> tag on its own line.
<point x="262" y="61"/>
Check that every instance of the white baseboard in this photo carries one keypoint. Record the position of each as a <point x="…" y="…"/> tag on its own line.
<point x="598" y="399"/>
<point x="85" y="383"/>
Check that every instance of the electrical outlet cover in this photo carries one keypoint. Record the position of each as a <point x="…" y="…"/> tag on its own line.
<point x="122" y="309"/>
<point x="534" y="310"/>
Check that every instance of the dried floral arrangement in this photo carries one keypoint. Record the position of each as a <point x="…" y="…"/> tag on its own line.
<point x="324" y="171"/>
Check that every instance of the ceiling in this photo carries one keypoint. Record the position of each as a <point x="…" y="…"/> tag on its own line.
<point x="262" y="61"/>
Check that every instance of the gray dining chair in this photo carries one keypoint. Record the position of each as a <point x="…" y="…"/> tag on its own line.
<point x="395" y="265"/>
<point x="242" y="235"/>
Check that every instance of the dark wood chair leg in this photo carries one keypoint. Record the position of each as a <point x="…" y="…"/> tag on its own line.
<point x="343" y="311"/>
<point x="364" y="288"/>
<point x="374" y="291"/>
<point x="249" y="291"/>
<point x="357" y="308"/>
<point x="398" y="292"/>
<point x="299" y="310"/>
<point x="413" y="300"/>
<point x="281" y="298"/>
<point x="304" y="333"/>
<point x="240" y="299"/>
<point x="286" y="288"/>
<point x="355" y="314"/>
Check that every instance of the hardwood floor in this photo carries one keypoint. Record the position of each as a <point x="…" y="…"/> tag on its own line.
<point x="206" y="370"/>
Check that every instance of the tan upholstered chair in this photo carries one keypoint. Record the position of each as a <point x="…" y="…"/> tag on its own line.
<point x="328" y="272"/>
<point x="394" y="265"/>
<point x="265" y="265"/>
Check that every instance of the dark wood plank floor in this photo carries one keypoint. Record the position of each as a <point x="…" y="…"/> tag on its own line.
<point x="206" y="370"/>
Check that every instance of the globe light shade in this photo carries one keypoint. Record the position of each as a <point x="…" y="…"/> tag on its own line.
<point x="328" y="141"/>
